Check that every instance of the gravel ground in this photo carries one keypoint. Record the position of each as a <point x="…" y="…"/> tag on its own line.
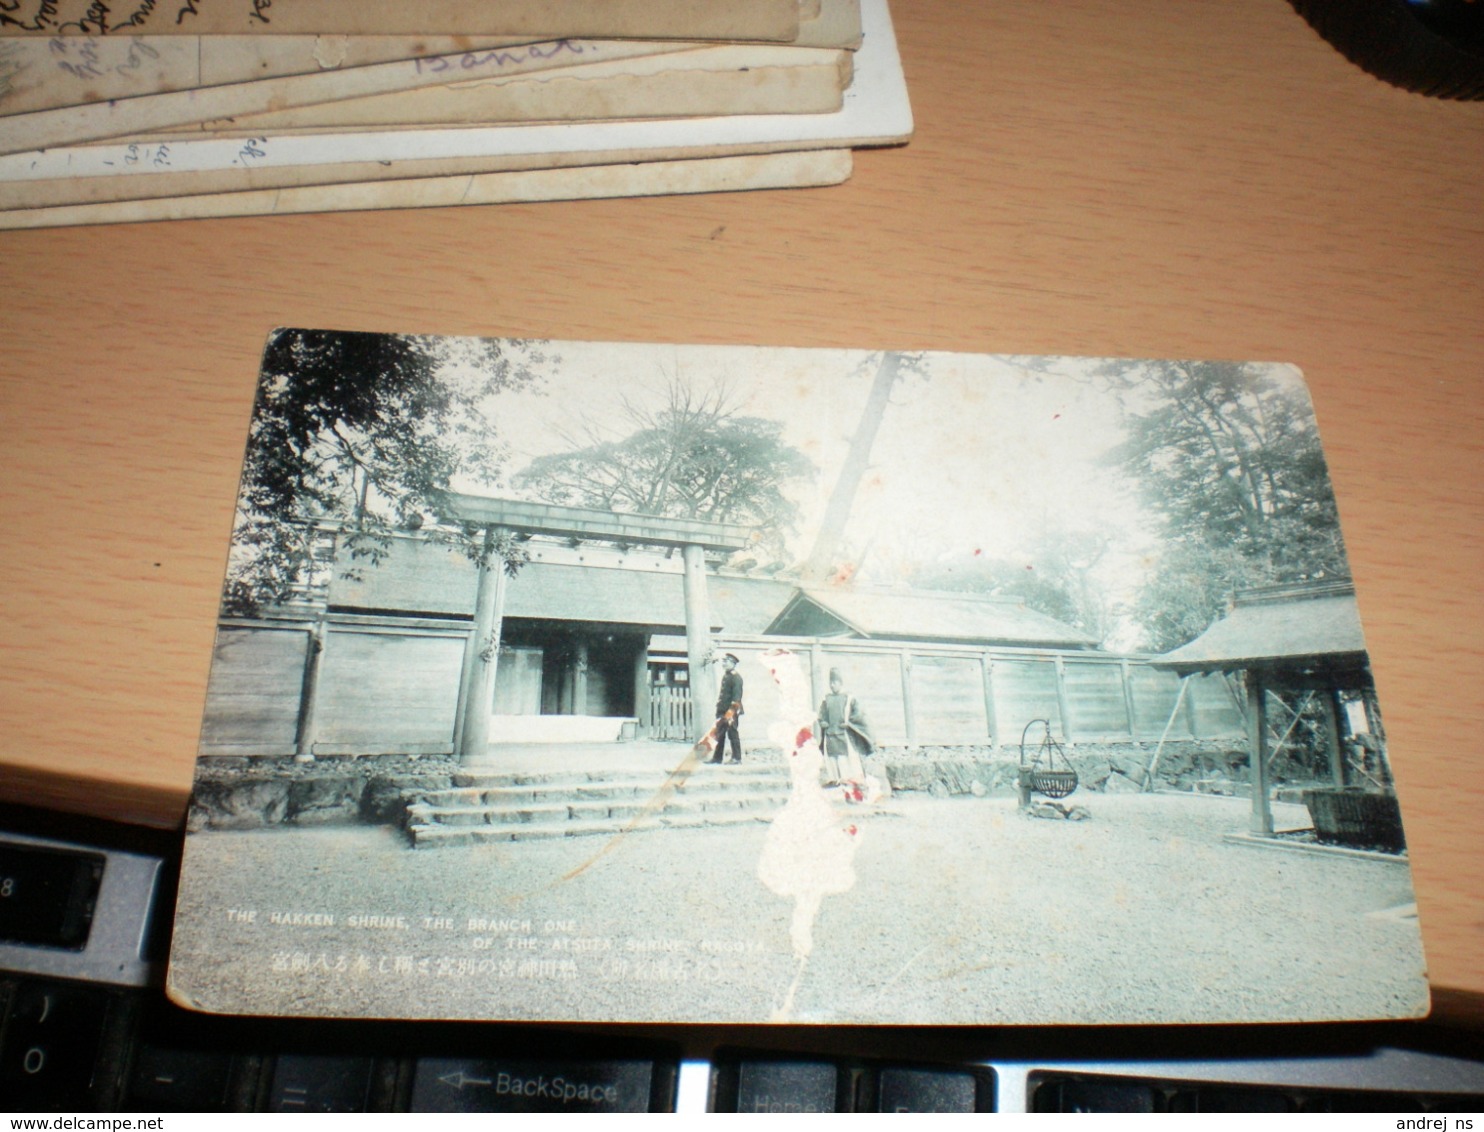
<point x="944" y="911"/>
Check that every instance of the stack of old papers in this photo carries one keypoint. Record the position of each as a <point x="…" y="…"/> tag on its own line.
<point x="245" y="107"/>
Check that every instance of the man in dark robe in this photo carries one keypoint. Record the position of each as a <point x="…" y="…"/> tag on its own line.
<point x="844" y="734"/>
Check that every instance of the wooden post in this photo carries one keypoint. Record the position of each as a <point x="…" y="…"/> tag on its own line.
<point x="462" y="699"/>
<point x="579" y="678"/>
<point x="565" y="670"/>
<point x="1126" y="677"/>
<point x="909" y="716"/>
<point x="309" y="694"/>
<point x="1192" y="715"/>
<point x="1333" y="734"/>
<point x="990" y="722"/>
<point x="641" y="687"/>
<point x="1063" y="703"/>
<point x="480" y="661"/>
<point x="1257" y="741"/>
<point x="818" y="681"/>
<point x="698" y="639"/>
<point x="1377" y="732"/>
<point x="1158" y="747"/>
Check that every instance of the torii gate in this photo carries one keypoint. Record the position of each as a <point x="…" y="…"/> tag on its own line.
<point x="692" y="536"/>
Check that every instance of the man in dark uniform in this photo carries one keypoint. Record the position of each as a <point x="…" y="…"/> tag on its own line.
<point x="728" y="709"/>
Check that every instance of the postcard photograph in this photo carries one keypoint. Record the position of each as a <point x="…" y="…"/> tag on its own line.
<point x="618" y="682"/>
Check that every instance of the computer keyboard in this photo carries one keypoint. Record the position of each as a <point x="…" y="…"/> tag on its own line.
<point x="85" y="910"/>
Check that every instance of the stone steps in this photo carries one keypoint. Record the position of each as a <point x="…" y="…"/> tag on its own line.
<point x="579" y="793"/>
<point x="595" y="810"/>
<point x="434" y="835"/>
<point x="516" y="807"/>
<point x="757" y="768"/>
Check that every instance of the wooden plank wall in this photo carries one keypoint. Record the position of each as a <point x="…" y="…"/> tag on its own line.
<point x="386" y="685"/>
<point x="252" y="696"/>
<point x="930" y="695"/>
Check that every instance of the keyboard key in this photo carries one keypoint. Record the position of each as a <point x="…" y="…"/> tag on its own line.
<point x="167" y="1079"/>
<point x="1361" y="1101"/>
<point x="1459" y="1103"/>
<point x="310" y="1083"/>
<point x="927" y="1090"/>
<point x="787" y="1086"/>
<point x="501" y="1085"/>
<point x="1074" y="1094"/>
<point x="47" y="895"/>
<point x="51" y="1046"/>
<point x="1233" y="1098"/>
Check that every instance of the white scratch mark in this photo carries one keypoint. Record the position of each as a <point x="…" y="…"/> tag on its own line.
<point x="809" y="852"/>
<point x="330" y="51"/>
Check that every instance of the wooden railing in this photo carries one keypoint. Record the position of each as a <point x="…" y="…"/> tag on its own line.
<point x="670" y="714"/>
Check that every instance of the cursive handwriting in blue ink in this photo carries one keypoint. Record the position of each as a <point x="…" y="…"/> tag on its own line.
<point x="81" y="59"/>
<point x="251" y="150"/>
<point x="502" y="57"/>
<point x="139" y="51"/>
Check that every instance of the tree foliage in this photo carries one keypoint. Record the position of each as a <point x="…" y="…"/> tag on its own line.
<point x="363" y="432"/>
<point x="1227" y="455"/>
<point x="1056" y="575"/>
<point x="694" y="457"/>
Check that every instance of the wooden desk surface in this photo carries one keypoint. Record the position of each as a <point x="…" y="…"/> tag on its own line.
<point x="1192" y="179"/>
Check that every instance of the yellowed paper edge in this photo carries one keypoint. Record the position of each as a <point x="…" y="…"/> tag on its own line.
<point x="39" y="73"/>
<point x="149" y="186"/>
<point x="45" y="73"/>
<point x="70" y="125"/>
<point x="648" y="93"/>
<point x="776" y="20"/>
<point x="701" y="175"/>
<point x="838" y="25"/>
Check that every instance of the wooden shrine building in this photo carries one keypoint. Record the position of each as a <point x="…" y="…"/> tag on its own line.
<point x="1298" y="637"/>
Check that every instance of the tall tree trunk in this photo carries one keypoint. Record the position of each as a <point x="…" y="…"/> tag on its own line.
<point x="832" y="528"/>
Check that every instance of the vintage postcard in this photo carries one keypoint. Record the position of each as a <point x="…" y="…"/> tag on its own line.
<point x="546" y="19"/>
<point x="40" y="73"/>
<point x="875" y="111"/>
<point x="614" y="682"/>
<point x="602" y="80"/>
<point x="743" y="173"/>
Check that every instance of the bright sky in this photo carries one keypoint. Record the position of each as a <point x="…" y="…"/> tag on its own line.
<point x="976" y="454"/>
<point x="973" y="454"/>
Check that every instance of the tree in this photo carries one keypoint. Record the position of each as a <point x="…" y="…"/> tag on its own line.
<point x="823" y="560"/>
<point x="1227" y="455"/>
<point x="1056" y="575"/>
<point x="363" y="432"/>
<point x="1187" y="591"/>
<point x="693" y="458"/>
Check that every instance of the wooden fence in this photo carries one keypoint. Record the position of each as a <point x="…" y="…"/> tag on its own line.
<point x="352" y="684"/>
<point x="670" y="713"/>
<point x="919" y="694"/>
<point x="338" y="684"/>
